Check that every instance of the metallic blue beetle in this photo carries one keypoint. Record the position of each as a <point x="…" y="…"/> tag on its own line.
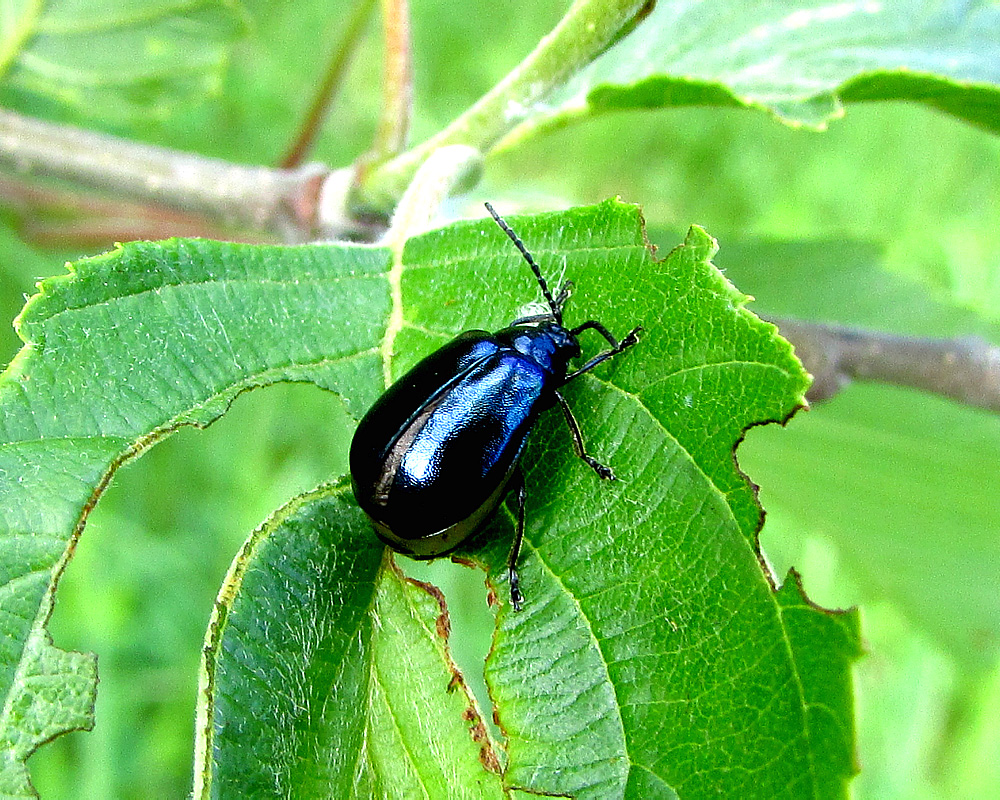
<point x="437" y="453"/>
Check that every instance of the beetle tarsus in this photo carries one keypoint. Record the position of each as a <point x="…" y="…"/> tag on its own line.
<point x="631" y="338"/>
<point x="516" y="598"/>
<point x="602" y="470"/>
<point x="565" y="291"/>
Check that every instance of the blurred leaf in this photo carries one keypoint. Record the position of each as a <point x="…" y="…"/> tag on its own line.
<point x="880" y="469"/>
<point x="799" y="60"/>
<point x="902" y="753"/>
<point x="272" y="79"/>
<point x="114" y="62"/>
<point x="843" y="281"/>
<point x="632" y="588"/>
<point x="975" y="771"/>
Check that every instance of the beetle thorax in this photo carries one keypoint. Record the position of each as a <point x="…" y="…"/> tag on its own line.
<point x="548" y="344"/>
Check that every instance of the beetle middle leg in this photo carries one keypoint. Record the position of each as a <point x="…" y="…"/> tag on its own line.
<point x="574" y="428"/>
<point x="631" y="338"/>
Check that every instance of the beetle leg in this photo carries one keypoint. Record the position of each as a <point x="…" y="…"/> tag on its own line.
<point x="564" y="293"/>
<point x="593" y="324"/>
<point x="516" y="598"/>
<point x="574" y="429"/>
<point x="616" y="347"/>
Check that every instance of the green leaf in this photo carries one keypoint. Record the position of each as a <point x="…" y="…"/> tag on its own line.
<point x="48" y="691"/>
<point x="115" y="62"/>
<point x="654" y="655"/>
<point x="800" y="61"/>
<point x="123" y="351"/>
<point x="326" y="675"/>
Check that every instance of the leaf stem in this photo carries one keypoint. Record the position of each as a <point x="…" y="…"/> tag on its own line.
<point x="583" y="33"/>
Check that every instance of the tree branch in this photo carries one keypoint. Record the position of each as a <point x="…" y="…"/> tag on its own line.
<point x="57" y="216"/>
<point x="285" y="202"/>
<point x="310" y="201"/>
<point x="965" y="369"/>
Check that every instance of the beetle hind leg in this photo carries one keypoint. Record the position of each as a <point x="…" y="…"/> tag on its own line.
<point x="516" y="598"/>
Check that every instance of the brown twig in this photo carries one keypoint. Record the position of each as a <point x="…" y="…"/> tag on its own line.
<point x="394" y="126"/>
<point x="965" y="369"/>
<point x="336" y="71"/>
<point x="57" y="216"/>
<point x="397" y="102"/>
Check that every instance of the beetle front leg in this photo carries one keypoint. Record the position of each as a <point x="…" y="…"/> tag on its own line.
<point x="516" y="598"/>
<point x="631" y="338"/>
<point x="574" y="428"/>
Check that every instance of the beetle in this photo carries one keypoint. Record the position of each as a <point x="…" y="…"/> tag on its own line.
<point x="438" y="452"/>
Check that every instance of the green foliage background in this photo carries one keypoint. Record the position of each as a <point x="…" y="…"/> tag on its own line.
<point x="919" y="190"/>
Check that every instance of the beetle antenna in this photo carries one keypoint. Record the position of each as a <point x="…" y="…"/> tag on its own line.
<point x="553" y="304"/>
